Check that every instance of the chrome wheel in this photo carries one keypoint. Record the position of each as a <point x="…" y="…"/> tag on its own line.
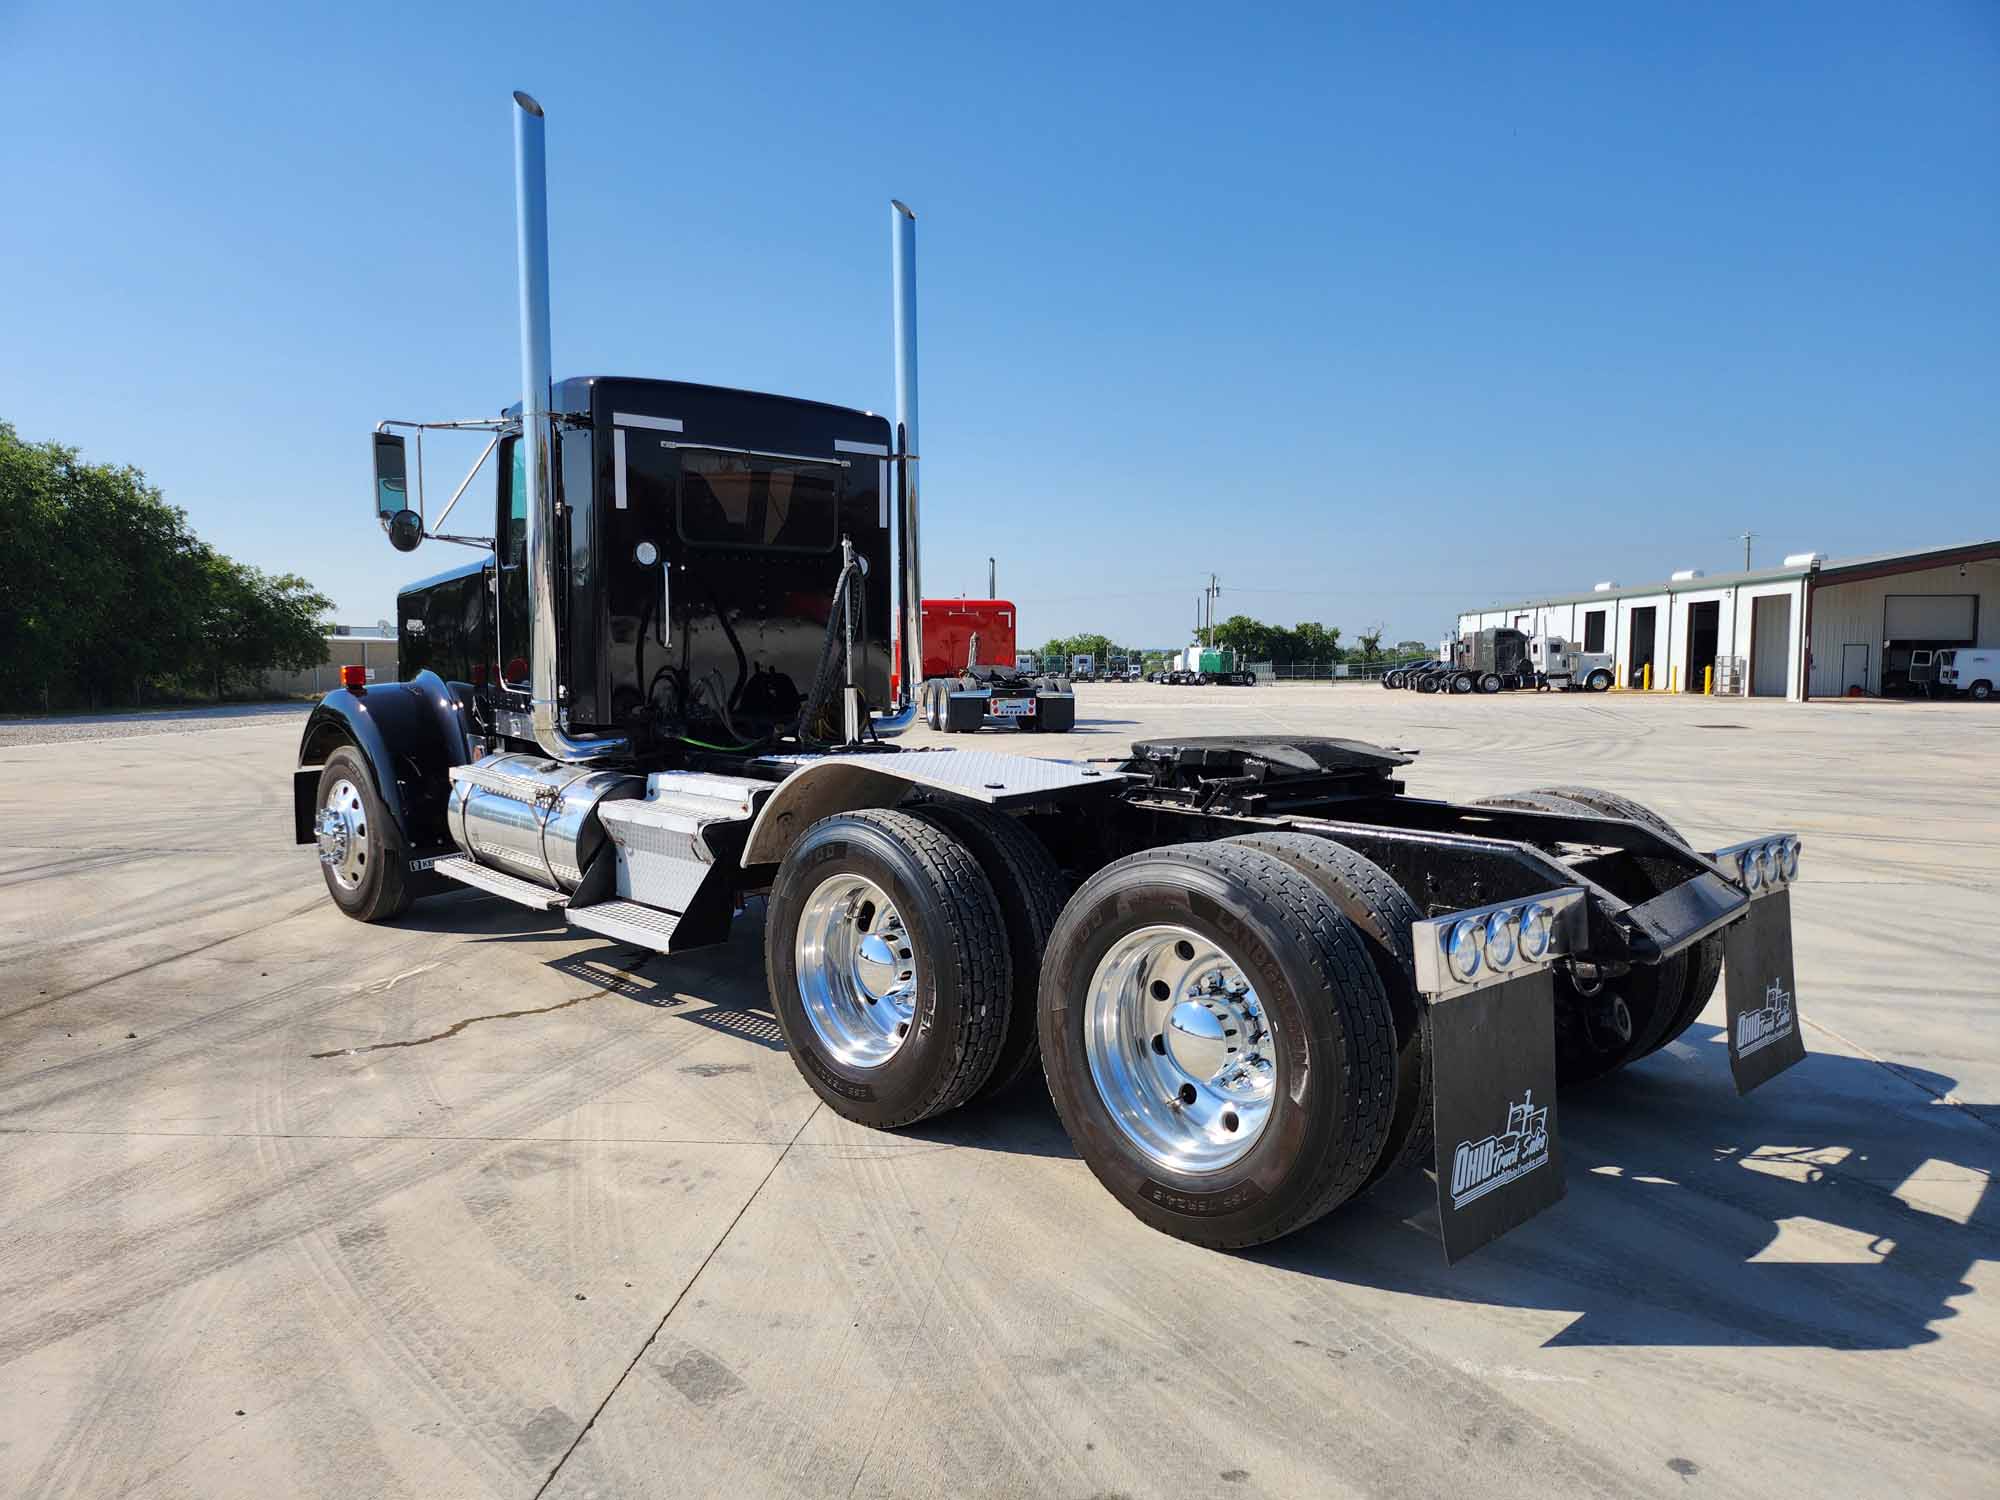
<point x="857" y="970"/>
<point x="341" y="831"/>
<point x="1180" y="1049"/>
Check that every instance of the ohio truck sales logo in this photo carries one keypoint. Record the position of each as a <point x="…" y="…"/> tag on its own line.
<point x="1478" y="1167"/>
<point x="1773" y="1023"/>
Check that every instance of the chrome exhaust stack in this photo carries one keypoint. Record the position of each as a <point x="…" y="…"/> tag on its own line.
<point x="909" y="571"/>
<point x="531" y="236"/>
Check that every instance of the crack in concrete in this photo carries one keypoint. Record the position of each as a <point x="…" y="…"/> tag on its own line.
<point x="457" y="1026"/>
<point x="679" y="1297"/>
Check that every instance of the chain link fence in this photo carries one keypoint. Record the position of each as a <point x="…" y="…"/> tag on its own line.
<point x="1326" y="671"/>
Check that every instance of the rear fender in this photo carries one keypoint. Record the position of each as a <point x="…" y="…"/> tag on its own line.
<point x="410" y="733"/>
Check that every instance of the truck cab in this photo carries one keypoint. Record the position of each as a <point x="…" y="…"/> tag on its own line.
<point x="1557" y="663"/>
<point x="698" y="544"/>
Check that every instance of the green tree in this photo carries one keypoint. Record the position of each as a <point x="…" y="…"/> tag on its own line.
<point x="1371" y="642"/>
<point x="1249" y="639"/>
<point x="1312" y="641"/>
<point x="254" y="623"/>
<point x="106" y="591"/>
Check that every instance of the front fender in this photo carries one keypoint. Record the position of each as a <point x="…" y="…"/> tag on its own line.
<point x="411" y="734"/>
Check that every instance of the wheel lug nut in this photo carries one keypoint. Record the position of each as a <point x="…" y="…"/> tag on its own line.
<point x="1187" y="1093"/>
<point x="1160" y="1046"/>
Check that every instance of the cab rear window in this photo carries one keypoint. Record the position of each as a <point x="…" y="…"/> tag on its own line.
<point x="741" y="500"/>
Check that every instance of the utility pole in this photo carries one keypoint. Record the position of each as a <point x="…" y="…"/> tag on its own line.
<point x="1214" y="588"/>
<point x="992" y="580"/>
<point x="1746" y="538"/>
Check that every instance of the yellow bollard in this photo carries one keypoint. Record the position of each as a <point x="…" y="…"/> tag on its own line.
<point x="1646" y="678"/>
<point x="1673" y="679"/>
<point x="1708" y="682"/>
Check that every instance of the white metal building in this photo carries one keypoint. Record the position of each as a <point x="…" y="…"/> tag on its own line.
<point x="1811" y="628"/>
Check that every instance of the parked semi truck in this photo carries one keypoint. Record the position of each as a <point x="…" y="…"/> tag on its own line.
<point x="1257" y="972"/>
<point x="972" y="676"/>
<point x="1560" y="664"/>
<point x="1207" y="666"/>
<point x="1499" y="659"/>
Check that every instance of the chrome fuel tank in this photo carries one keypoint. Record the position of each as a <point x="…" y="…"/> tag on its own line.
<point x="533" y="817"/>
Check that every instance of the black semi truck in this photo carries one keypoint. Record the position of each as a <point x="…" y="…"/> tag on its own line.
<point x="1257" y="973"/>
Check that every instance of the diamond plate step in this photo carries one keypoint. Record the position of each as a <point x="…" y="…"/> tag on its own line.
<point x="460" y="867"/>
<point x="627" y="921"/>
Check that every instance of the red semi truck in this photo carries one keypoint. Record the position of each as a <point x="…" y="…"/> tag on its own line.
<point x="951" y="626"/>
<point x="971" y="676"/>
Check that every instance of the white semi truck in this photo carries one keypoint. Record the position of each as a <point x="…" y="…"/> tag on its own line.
<point x="1559" y="664"/>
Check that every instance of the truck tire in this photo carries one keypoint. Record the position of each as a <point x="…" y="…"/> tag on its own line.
<point x="888" y="964"/>
<point x="1272" y="1102"/>
<point x="964" y="715"/>
<point x="1368" y="896"/>
<point x="1031" y="889"/>
<point x="1461" y="682"/>
<point x="1055" y="714"/>
<point x="1705" y="958"/>
<point x="1599" y="681"/>
<point x="1427" y="684"/>
<point x="934" y="700"/>
<point x="365" y="876"/>
<point x="1490" y="682"/>
<point x="1649" y="996"/>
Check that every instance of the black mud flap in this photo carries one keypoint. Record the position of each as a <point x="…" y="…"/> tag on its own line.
<point x="1761" y="992"/>
<point x="1494" y="1059"/>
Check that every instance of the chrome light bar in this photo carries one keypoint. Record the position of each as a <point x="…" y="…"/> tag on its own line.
<point x="1463" y="951"/>
<point x="1759" y="866"/>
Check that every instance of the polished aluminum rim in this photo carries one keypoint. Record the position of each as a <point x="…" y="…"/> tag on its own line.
<point x="342" y="834"/>
<point x="1180" y="1049"/>
<point x="857" y="970"/>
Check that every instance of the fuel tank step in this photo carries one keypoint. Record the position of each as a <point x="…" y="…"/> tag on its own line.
<point x="498" y="883"/>
<point x="627" y="921"/>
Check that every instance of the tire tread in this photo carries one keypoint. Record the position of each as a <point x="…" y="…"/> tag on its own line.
<point x="1031" y="889"/>
<point x="978" y="953"/>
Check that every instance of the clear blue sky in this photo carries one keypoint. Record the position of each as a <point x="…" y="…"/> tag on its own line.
<point x="1384" y="310"/>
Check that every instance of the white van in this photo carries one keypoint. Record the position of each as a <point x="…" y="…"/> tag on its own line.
<point x="1972" y="672"/>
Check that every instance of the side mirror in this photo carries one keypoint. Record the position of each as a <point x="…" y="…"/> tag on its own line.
<point x="392" y="488"/>
<point x="406" y="529"/>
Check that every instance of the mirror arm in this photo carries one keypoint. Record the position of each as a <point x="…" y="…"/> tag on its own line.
<point x="471" y="474"/>
<point x="484" y="543"/>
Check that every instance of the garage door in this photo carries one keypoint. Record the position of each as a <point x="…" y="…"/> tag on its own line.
<point x="1930" y="617"/>
<point x="1770" y="643"/>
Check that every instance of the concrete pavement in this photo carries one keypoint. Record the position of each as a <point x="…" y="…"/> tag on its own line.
<point x="471" y="1205"/>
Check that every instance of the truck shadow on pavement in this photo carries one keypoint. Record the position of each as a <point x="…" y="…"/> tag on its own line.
<point x="1836" y="1208"/>
<point x="1842" y="1206"/>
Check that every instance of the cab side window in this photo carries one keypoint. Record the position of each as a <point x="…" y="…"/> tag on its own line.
<point x="512" y="537"/>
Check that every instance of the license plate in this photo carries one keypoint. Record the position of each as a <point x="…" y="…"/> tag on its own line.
<point x="1761" y="991"/>
<point x="1012" y="708"/>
